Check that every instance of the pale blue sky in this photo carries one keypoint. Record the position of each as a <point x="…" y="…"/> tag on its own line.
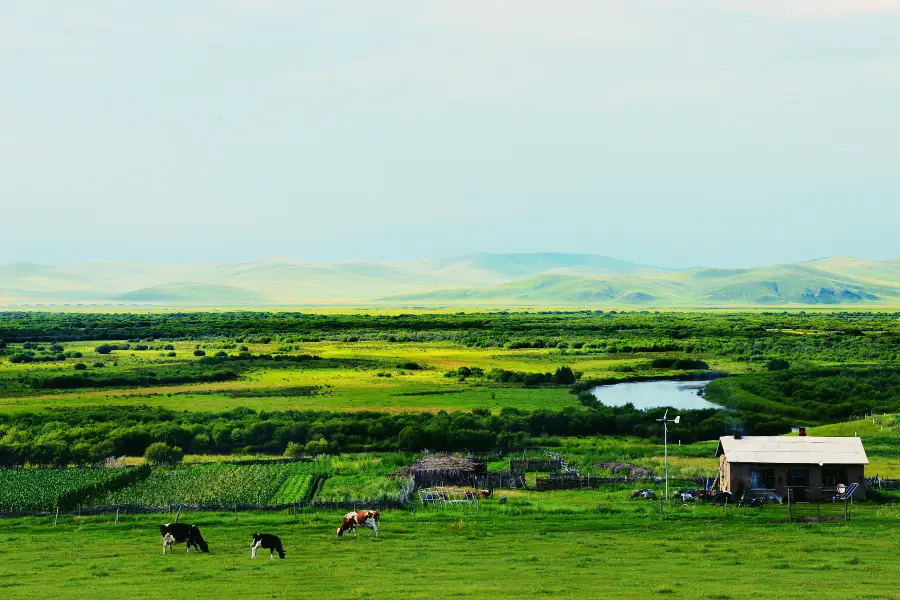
<point x="671" y="132"/>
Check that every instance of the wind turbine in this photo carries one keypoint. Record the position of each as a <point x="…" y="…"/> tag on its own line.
<point x="665" y="422"/>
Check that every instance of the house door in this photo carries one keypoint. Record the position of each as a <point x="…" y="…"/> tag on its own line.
<point x="798" y="481"/>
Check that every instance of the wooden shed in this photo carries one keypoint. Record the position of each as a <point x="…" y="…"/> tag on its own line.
<point x="811" y="467"/>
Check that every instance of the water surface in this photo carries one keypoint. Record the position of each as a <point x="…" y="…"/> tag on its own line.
<point x="652" y="394"/>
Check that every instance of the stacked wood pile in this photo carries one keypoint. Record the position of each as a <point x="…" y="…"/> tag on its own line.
<point x="625" y="468"/>
<point x="435" y="470"/>
<point x="532" y="465"/>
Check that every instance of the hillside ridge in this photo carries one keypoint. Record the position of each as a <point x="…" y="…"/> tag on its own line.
<point x="540" y="278"/>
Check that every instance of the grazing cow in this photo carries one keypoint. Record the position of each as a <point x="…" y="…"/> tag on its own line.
<point x="272" y="543"/>
<point x="359" y="518"/>
<point x="485" y="493"/>
<point x="502" y="499"/>
<point x="182" y="533"/>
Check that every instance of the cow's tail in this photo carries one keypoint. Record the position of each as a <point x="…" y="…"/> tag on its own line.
<point x="198" y="539"/>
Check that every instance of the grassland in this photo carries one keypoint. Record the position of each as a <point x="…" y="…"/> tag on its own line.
<point x="347" y="378"/>
<point x="558" y="545"/>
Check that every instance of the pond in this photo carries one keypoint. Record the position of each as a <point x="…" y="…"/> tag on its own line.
<point x="652" y="394"/>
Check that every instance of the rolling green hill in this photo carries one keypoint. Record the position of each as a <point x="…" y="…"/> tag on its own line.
<point x="491" y="279"/>
<point x="193" y="293"/>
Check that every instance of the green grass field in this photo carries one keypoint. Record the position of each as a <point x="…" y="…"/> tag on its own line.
<point x="353" y="386"/>
<point x="557" y="547"/>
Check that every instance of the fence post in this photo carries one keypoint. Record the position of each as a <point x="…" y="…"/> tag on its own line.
<point x="117" y="515"/>
<point x="846" y="512"/>
<point x="726" y="506"/>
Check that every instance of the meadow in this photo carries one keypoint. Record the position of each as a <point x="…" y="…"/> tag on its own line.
<point x="356" y="397"/>
<point x="559" y="545"/>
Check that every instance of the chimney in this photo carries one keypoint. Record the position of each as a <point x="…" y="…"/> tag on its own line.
<point x="802" y="432"/>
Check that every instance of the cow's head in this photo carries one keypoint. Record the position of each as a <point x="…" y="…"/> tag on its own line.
<point x="346" y="524"/>
<point x="203" y="546"/>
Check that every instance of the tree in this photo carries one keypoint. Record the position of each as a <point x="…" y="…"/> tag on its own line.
<point x="588" y="399"/>
<point x="159" y="453"/>
<point x="411" y="438"/>
<point x="778" y="364"/>
<point x="294" y="450"/>
<point x="317" y="447"/>
<point x="564" y="376"/>
<point x="80" y="366"/>
<point x="104" y="348"/>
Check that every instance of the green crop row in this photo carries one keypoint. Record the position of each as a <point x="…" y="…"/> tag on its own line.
<point x="47" y="489"/>
<point x="296" y="488"/>
<point x="207" y="484"/>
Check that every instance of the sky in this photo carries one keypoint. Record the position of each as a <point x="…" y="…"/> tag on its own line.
<point x="668" y="132"/>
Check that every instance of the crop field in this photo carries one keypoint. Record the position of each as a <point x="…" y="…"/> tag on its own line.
<point x="46" y="489"/>
<point x="219" y="484"/>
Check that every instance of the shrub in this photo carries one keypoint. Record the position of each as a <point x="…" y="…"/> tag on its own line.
<point x="171" y="354"/>
<point x="221" y="353"/>
<point x="104" y="348"/>
<point x="778" y="364"/>
<point x="99" y="365"/>
<point x="80" y="366"/>
<point x="21" y="358"/>
<point x="587" y="399"/>
<point x="294" y="450"/>
<point x="168" y="347"/>
<point x="159" y="453"/>
<point x="317" y="447"/>
<point x="410" y="366"/>
<point x="199" y="353"/>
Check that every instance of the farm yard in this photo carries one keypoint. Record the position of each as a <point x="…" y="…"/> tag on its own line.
<point x="281" y="422"/>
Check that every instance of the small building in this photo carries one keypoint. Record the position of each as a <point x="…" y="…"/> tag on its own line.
<point x="811" y="467"/>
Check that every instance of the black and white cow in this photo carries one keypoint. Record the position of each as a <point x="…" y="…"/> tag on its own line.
<point x="272" y="543"/>
<point x="182" y="533"/>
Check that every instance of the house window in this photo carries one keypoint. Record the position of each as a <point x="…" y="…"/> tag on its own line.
<point x="762" y="479"/>
<point x="832" y="476"/>
<point x="798" y="477"/>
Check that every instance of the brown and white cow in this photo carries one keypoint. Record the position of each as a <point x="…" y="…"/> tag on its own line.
<point x="359" y="518"/>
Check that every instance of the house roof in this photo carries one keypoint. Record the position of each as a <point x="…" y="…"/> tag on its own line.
<point x="799" y="450"/>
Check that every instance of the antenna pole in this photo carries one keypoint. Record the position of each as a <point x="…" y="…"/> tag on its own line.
<point x="666" y="451"/>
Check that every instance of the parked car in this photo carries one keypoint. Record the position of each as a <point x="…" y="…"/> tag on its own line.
<point x="643" y="494"/>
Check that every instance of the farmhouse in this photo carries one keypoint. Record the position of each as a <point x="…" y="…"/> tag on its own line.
<point x="811" y="467"/>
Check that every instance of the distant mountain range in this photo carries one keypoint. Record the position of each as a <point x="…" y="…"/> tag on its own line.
<point x="548" y="279"/>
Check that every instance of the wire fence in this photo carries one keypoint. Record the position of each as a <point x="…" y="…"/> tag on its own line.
<point x="123" y="509"/>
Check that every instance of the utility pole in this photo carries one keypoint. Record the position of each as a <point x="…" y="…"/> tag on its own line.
<point x="665" y="422"/>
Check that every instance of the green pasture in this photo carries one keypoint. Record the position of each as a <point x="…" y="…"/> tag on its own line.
<point x="557" y="546"/>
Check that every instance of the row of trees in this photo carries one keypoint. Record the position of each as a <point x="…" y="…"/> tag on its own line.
<point x="89" y="435"/>
<point x="751" y="337"/>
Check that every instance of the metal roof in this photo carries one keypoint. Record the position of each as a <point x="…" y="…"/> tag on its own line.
<point x="798" y="450"/>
